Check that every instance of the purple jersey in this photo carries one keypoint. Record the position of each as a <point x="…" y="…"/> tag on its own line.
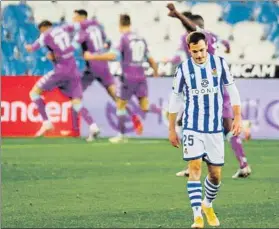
<point x="65" y="74"/>
<point x="133" y="52"/>
<point x="58" y="41"/>
<point x="93" y="39"/>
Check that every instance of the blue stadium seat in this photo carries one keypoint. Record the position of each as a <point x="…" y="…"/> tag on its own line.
<point x="24" y="14"/>
<point x="266" y="12"/>
<point x="238" y="11"/>
<point x="41" y="67"/>
<point x="8" y="49"/>
<point x="18" y="67"/>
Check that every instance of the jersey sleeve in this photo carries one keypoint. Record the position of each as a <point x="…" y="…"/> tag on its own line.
<point x="39" y="43"/>
<point x="71" y="27"/>
<point x="85" y="24"/>
<point x="226" y="76"/>
<point x="178" y="80"/>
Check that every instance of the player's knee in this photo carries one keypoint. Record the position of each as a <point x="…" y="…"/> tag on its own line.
<point x="215" y="177"/>
<point x="195" y="170"/>
<point x="144" y="104"/>
<point x="77" y="104"/>
<point x="121" y="104"/>
<point x="35" y="93"/>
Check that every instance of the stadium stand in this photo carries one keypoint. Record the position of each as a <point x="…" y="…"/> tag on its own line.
<point x="251" y="27"/>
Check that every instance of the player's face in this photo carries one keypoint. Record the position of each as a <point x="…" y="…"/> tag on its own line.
<point x="43" y="29"/>
<point x="78" y="18"/>
<point x="199" y="51"/>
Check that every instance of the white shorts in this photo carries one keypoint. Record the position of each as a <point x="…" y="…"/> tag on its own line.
<point x="209" y="147"/>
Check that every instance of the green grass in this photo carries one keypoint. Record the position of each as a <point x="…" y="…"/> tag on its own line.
<point x="69" y="183"/>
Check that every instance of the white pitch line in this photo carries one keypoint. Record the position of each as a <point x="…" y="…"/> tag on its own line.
<point x="78" y="144"/>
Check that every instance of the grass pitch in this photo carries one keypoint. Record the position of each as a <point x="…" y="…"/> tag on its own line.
<point x="62" y="183"/>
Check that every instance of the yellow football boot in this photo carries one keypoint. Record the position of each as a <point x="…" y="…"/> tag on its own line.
<point x="198" y="222"/>
<point x="210" y="216"/>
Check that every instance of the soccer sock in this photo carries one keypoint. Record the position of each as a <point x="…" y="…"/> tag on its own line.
<point x="194" y="189"/>
<point x="211" y="191"/>
<point x="75" y="120"/>
<point x="237" y="148"/>
<point x="41" y="108"/>
<point x="121" y="120"/>
<point x="86" y="116"/>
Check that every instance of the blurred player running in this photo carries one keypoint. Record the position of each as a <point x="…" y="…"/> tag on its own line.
<point x="65" y="75"/>
<point x="202" y="78"/>
<point x="196" y="23"/>
<point x="94" y="40"/>
<point x="132" y="52"/>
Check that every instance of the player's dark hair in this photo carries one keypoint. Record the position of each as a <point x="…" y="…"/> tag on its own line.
<point x="196" y="17"/>
<point x="81" y="12"/>
<point x="44" y="23"/>
<point x="125" y="20"/>
<point x="195" y="37"/>
<point x="187" y="13"/>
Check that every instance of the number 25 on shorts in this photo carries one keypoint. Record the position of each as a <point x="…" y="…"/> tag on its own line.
<point x="188" y="140"/>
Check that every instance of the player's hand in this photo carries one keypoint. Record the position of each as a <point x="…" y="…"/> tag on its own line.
<point x="171" y="6"/>
<point x="173" y="138"/>
<point x="228" y="50"/>
<point x="50" y="56"/>
<point x="28" y="48"/>
<point x="172" y="9"/>
<point x="236" y="125"/>
<point x="87" y="55"/>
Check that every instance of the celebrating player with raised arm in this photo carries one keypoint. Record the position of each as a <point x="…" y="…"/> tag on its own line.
<point x="202" y="78"/>
<point x="132" y="52"/>
<point x="196" y="23"/>
<point x="65" y="75"/>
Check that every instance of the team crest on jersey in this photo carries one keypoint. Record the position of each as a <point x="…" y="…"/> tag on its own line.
<point x="214" y="72"/>
<point x="204" y="83"/>
<point x="192" y="75"/>
<point x="185" y="150"/>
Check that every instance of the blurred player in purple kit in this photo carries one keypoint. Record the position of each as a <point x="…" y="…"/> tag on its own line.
<point x="196" y="23"/>
<point x="132" y="51"/>
<point x="94" y="39"/>
<point x="65" y="75"/>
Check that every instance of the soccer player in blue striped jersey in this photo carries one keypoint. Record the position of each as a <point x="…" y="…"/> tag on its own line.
<point x="201" y="79"/>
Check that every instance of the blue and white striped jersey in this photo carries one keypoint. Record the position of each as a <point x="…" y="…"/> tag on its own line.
<point x="202" y="86"/>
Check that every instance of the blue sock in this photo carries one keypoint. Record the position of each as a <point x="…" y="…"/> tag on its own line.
<point x="194" y="189"/>
<point x="211" y="191"/>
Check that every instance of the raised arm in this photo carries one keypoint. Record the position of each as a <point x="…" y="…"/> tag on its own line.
<point x="184" y="20"/>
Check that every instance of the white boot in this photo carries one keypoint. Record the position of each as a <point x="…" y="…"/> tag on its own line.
<point x="94" y="132"/>
<point x="46" y="126"/>
<point x="120" y="138"/>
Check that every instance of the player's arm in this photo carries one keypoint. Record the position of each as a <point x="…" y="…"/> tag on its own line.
<point x="234" y="97"/>
<point x="176" y="98"/>
<point x="39" y="43"/>
<point x="226" y="44"/>
<point x="108" y="56"/>
<point x="113" y="55"/>
<point x="153" y="65"/>
<point x="184" y="20"/>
